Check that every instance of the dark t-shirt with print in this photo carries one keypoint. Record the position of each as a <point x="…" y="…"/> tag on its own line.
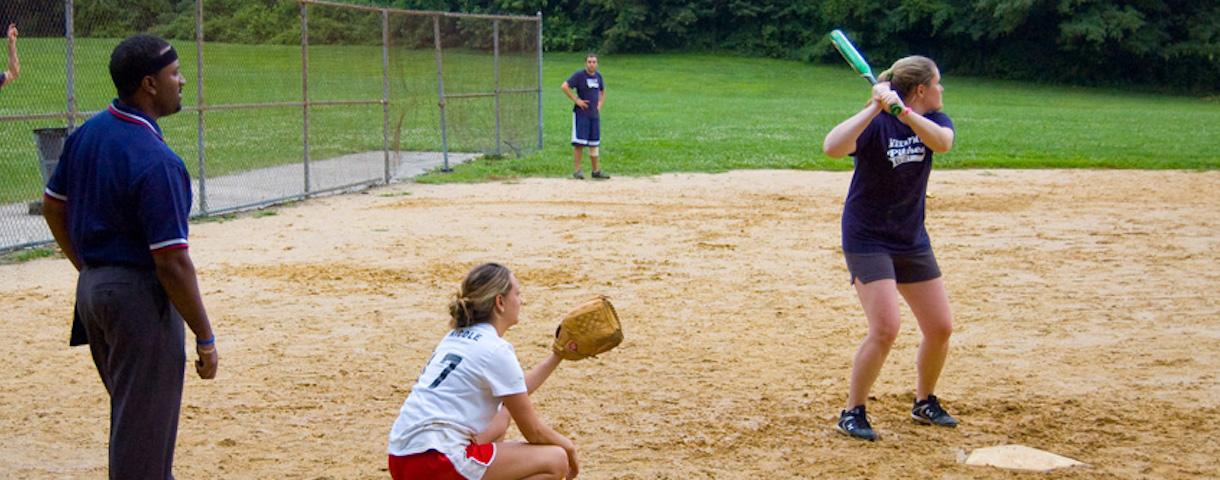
<point x="588" y="88"/>
<point x="884" y="211"/>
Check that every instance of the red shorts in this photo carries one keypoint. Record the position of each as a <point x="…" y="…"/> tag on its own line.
<point x="434" y="465"/>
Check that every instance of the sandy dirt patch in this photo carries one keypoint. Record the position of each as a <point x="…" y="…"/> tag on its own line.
<point x="1086" y="314"/>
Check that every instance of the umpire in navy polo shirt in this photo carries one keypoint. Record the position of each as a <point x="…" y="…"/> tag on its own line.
<point x="117" y="205"/>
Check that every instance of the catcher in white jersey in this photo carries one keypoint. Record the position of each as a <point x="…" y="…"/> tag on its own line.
<point x="447" y="426"/>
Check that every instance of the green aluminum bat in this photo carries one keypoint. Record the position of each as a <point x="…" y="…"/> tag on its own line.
<point x="857" y="62"/>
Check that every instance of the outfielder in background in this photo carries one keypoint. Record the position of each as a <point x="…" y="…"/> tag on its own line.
<point x="586" y="113"/>
<point x="117" y="206"/>
<point x="887" y="248"/>
<point x="451" y="424"/>
<point x="14" y="66"/>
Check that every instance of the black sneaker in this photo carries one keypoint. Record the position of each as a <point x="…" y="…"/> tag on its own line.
<point x="578" y="175"/>
<point x="928" y="412"/>
<point x="854" y="423"/>
<point x="600" y="175"/>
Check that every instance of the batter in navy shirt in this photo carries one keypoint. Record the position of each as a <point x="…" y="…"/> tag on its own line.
<point x="884" y="212"/>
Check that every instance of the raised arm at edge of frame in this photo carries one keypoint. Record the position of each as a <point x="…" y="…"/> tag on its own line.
<point x="14" y="64"/>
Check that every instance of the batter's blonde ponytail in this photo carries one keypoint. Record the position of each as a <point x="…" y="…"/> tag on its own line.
<point x="908" y="73"/>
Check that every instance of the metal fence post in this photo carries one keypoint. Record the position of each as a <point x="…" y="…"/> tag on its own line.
<point x="385" y="90"/>
<point x="70" y="36"/>
<point x="305" y="92"/>
<point x="440" y="89"/>
<point x="203" y="190"/>
<point x="540" y="80"/>
<point x="495" y="32"/>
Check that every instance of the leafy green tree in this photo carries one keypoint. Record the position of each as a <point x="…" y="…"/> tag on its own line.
<point x="119" y="18"/>
<point x="35" y="18"/>
<point x="1166" y="44"/>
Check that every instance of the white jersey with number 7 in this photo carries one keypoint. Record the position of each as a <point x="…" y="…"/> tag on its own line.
<point x="458" y="393"/>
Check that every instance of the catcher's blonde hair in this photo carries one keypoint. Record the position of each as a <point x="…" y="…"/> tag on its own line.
<point x="909" y="72"/>
<point x="475" y="301"/>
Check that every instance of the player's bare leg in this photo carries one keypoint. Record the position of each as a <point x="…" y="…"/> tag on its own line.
<point x="597" y="169"/>
<point x="929" y="301"/>
<point x="521" y="461"/>
<point x="880" y="301"/>
<point x="578" y="152"/>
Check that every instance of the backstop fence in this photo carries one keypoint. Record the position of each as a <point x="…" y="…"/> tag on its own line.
<point x="346" y="97"/>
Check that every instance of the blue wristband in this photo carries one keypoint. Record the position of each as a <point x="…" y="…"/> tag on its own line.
<point x="209" y="341"/>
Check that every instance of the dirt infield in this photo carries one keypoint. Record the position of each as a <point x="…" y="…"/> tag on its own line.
<point x="1086" y="312"/>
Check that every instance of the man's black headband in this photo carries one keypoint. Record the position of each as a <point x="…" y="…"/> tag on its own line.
<point x="138" y="68"/>
<point x="155" y="65"/>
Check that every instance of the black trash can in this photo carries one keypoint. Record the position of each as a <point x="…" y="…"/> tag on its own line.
<point x="50" y="142"/>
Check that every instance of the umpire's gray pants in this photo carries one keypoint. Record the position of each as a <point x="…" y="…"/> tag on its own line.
<point x="136" y="337"/>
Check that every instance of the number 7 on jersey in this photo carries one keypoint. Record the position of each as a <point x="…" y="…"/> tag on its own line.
<point x="453" y="361"/>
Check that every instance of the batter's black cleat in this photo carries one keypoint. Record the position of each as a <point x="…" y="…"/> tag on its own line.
<point x="854" y="423"/>
<point x="598" y="174"/>
<point x="578" y="175"/>
<point x="928" y="412"/>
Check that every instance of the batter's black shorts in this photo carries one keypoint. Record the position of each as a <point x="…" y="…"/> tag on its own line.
<point x="901" y="267"/>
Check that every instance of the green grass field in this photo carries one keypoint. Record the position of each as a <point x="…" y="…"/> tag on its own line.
<point x="664" y="113"/>
<point x="680" y="113"/>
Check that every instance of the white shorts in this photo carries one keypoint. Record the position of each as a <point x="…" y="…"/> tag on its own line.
<point x="467" y="462"/>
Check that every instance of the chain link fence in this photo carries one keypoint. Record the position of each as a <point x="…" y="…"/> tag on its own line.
<point x="334" y="97"/>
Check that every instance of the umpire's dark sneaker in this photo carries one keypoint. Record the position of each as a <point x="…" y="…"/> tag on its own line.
<point x="928" y="412"/>
<point x="598" y="174"/>
<point x="854" y="423"/>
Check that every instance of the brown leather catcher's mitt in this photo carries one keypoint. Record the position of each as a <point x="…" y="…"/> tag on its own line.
<point x="589" y="329"/>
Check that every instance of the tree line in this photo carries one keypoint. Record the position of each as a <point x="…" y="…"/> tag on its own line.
<point x="1166" y="45"/>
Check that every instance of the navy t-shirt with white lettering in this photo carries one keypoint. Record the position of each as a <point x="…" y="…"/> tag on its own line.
<point x="884" y="211"/>
<point x="588" y="88"/>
